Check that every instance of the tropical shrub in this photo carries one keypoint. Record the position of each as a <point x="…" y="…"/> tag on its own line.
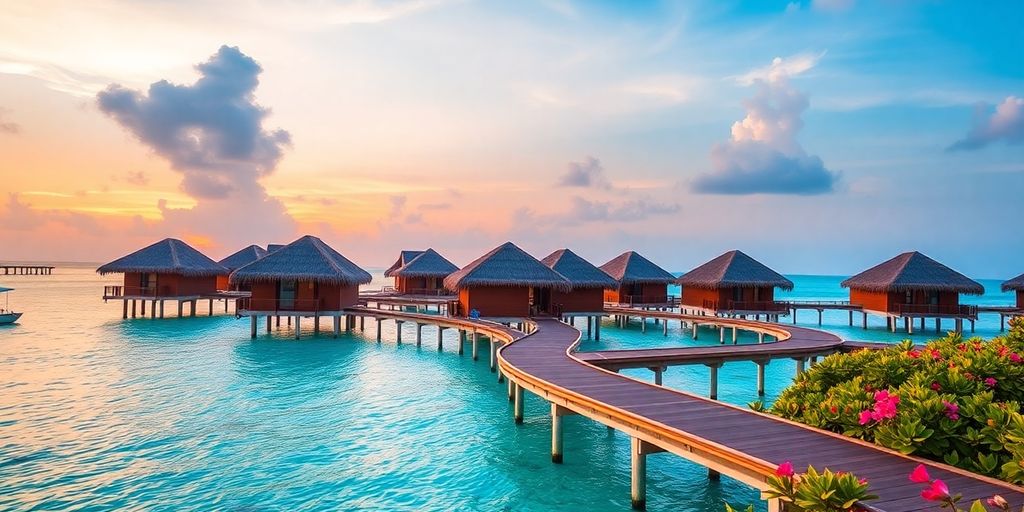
<point x="812" y="491"/>
<point x="955" y="400"/>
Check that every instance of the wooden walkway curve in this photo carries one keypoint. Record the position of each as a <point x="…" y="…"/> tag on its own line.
<point x="741" y="443"/>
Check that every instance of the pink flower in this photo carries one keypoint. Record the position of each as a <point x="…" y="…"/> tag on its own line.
<point x="833" y="409"/>
<point x="785" y="469"/>
<point x="920" y="475"/>
<point x="936" y="386"/>
<point x="1015" y="358"/>
<point x="914" y="354"/>
<point x="998" y="501"/>
<point x="937" y="491"/>
<point x="865" y="417"/>
<point x="990" y="382"/>
<point x="952" y="410"/>
<point x="882" y="395"/>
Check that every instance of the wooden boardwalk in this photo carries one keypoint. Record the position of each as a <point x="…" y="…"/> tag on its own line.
<point x="741" y="443"/>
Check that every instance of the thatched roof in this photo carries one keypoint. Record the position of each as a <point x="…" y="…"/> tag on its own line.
<point x="168" y="256"/>
<point x="506" y="265"/>
<point x="243" y="257"/>
<point x="275" y="247"/>
<point x="734" y="269"/>
<point x="1016" y="283"/>
<point x="913" y="271"/>
<point x="632" y="268"/>
<point x="403" y="258"/>
<point x="580" y="272"/>
<point x="306" y="259"/>
<point x="427" y="264"/>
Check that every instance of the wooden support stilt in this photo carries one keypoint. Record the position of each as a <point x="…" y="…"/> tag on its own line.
<point x="760" y="376"/>
<point x="440" y="338"/>
<point x="760" y="337"/>
<point x="124" y="309"/>
<point x="638" y="474"/>
<point x="361" y="325"/>
<point x="143" y="305"/>
<point x="557" y="412"/>
<point x="152" y="309"/>
<point x="643" y="325"/>
<point x="252" y="321"/>
<point x="518" y="404"/>
<point x="820" y="314"/>
<point x="597" y="329"/>
<point x="664" y="328"/>
<point x="180" y="306"/>
<point x="211" y="308"/>
<point x="851" y="317"/>
<point x="694" y="330"/>
<point x="734" y="336"/>
<point x="865" y="315"/>
<point x="713" y="387"/>
<point x="590" y="324"/>
<point x="799" y="366"/>
<point x="192" y="312"/>
<point x="721" y="334"/>
<point x="476" y="345"/>
<point x="398" y="328"/>
<point x="268" y="324"/>
<point x="462" y="341"/>
<point x="419" y="334"/>
<point x="133" y="308"/>
<point x="337" y="326"/>
<point x="316" y="325"/>
<point x="794" y="316"/>
<point x="658" y="371"/>
<point x="494" y="356"/>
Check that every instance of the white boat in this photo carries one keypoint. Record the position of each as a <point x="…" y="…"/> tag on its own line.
<point x="6" y="315"/>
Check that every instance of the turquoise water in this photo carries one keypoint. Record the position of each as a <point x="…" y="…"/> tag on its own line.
<point x="97" y="413"/>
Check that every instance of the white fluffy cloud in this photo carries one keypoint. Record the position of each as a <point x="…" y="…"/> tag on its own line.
<point x="763" y="155"/>
<point x="1006" y="123"/>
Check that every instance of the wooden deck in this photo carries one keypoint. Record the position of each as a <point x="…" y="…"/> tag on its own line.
<point x="27" y="270"/>
<point x="741" y="443"/>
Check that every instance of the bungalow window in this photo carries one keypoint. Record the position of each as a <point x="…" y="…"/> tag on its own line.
<point x="147" y="281"/>
<point x="908" y="297"/>
<point x="737" y="294"/>
<point x="933" y="298"/>
<point x="286" y="293"/>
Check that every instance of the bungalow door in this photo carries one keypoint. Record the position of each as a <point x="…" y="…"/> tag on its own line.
<point x="147" y="284"/>
<point x="286" y="294"/>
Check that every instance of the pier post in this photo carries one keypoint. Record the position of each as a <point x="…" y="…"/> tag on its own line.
<point x="475" y="349"/>
<point x="638" y="474"/>
<point x="398" y="327"/>
<point x="419" y="334"/>
<point x="462" y="341"/>
<point x="337" y="326"/>
<point x="799" y="366"/>
<point x="316" y="325"/>
<point x="517" y="406"/>
<point x="909" y="323"/>
<point x="865" y="319"/>
<point x="851" y="317"/>
<point x="820" y="312"/>
<point x="133" y="308"/>
<point x="664" y="328"/>
<point x="590" y="323"/>
<point x="734" y="335"/>
<point x="192" y="312"/>
<point x="161" y="308"/>
<point x="713" y="386"/>
<point x="760" y="337"/>
<point x="922" y="324"/>
<point x="721" y="334"/>
<point x="760" y="376"/>
<point x="143" y="305"/>
<point x="643" y="325"/>
<point x="694" y="330"/>
<point x="361" y="324"/>
<point x="440" y="338"/>
<point x="378" y="329"/>
<point x="658" y="371"/>
<point x="494" y="356"/>
<point x="557" y="412"/>
<point x="152" y="309"/>
<point x="124" y="310"/>
<point x="297" y="329"/>
<point x="252" y="331"/>
<point x="211" y="309"/>
<point x="794" y="316"/>
<point x="597" y="328"/>
<point x="269" y="320"/>
<point x="972" y="326"/>
<point x="938" y="324"/>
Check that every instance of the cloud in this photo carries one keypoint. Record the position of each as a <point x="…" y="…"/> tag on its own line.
<point x="397" y="205"/>
<point x="211" y="131"/>
<point x="138" y="178"/>
<point x="763" y="155"/>
<point x="19" y="216"/>
<point x="635" y="210"/>
<point x="435" y="206"/>
<point x="6" y="126"/>
<point x="1006" y="123"/>
<point x="588" y="173"/>
<point x="833" y="5"/>
<point x="781" y="68"/>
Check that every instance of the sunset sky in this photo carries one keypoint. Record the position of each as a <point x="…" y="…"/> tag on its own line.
<point x="817" y="136"/>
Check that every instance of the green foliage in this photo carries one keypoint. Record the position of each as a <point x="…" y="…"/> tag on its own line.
<point x="958" y="400"/>
<point x="819" y="492"/>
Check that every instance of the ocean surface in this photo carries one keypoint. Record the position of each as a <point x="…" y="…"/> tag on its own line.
<point x="99" y="413"/>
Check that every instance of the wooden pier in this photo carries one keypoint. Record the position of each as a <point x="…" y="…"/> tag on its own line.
<point x="27" y="270"/>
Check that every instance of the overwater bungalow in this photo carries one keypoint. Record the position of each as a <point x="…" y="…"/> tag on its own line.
<point x="638" y="282"/>
<point x="237" y="261"/>
<point x="167" y="270"/>
<point x="911" y="286"/>
<point x="306" y="278"/>
<point x="505" y="284"/>
<point x="733" y="284"/>
<point x="1016" y="285"/>
<point x="588" y="283"/>
<point x="420" y="273"/>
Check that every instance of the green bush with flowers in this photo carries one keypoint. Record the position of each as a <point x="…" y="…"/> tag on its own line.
<point x="955" y="400"/>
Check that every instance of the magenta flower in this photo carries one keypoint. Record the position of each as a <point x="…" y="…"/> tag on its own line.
<point x="952" y="410"/>
<point x="865" y="417"/>
<point x="785" y="469"/>
<point x="937" y="491"/>
<point x="920" y="475"/>
<point x="1015" y="358"/>
<point x="990" y="382"/>
<point x="936" y="386"/>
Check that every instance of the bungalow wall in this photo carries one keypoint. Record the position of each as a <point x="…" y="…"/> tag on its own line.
<point x="169" y="285"/>
<point x="890" y="301"/>
<point x="309" y="296"/>
<point x="1020" y="299"/>
<point x="222" y="283"/>
<point x="579" y="300"/>
<point x="723" y="298"/>
<point x="495" y="301"/>
<point x="419" y="285"/>
<point x="637" y="293"/>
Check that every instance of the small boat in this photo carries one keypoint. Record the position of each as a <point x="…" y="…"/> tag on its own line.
<point x="6" y="315"/>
